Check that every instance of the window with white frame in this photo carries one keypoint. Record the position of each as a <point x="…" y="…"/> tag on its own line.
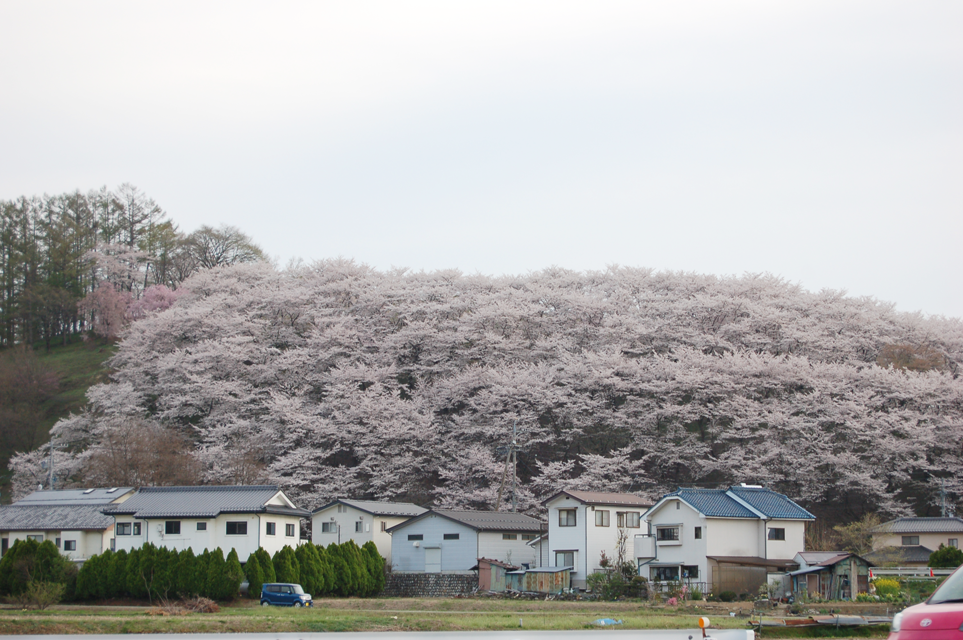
<point x="289" y="530"/>
<point x="777" y="533"/>
<point x="601" y="518"/>
<point x="566" y="517"/>
<point x="70" y="545"/>
<point x="565" y="559"/>
<point x="123" y="528"/>
<point x="630" y="519"/>
<point x="272" y="528"/>
<point x="329" y="527"/>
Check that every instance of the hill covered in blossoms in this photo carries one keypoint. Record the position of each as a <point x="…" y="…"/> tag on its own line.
<point x="338" y="380"/>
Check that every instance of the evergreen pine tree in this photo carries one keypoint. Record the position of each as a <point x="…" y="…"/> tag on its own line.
<point x="328" y="580"/>
<point x="232" y="578"/>
<point x="343" y="578"/>
<point x="214" y="587"/>
<point x="115" y="584"/>
<point x="133" y="579"/>
<point x="255" y="576"/>
<point x="184" y="574"/>
<point x="376" y="567"/>
<point x="267" y="565"/>
<point x="199" y="582"/>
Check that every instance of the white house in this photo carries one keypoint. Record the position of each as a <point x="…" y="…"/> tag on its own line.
<point x="721" y="539"/>
<point x="361" y="521"/>
<point x="453" y="541"/>
<point x="242" y="518"/>
<point x="70" y="518"/>
<point x="582" y="525"/>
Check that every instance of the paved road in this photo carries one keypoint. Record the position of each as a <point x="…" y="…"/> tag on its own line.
<point x="676" y="634"/>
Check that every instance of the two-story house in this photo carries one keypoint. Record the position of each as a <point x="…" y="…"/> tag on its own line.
<point x="448" y="541"/>
<point x="361" y="521"/>
<point x="210" y="517"/>
<point x="70" y="518"/>
<point x="721" y="539"/>
<point x="584" y="525"/>
<point x="910" y="541"/>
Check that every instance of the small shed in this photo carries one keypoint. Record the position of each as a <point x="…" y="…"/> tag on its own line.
<point x="541" y="579"/>
<point x="832" y="575"/>
<point x="492" y="574"/>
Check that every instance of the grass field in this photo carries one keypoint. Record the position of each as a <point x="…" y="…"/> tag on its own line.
<point x="391" y="614"/>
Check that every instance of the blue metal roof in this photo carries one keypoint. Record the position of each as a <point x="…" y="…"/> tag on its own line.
<point x="774" y="505"/>
<point x="729" y="503"/>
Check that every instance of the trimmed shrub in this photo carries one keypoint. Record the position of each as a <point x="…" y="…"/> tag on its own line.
<point x="286" y="566"/>
<point x="728" y="596"/>
<point x="233" y="577"/>
<point x="946" y="558"/>
<point x="267" y="565"/>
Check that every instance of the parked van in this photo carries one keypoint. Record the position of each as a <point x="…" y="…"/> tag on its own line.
<point x="283" y="594"/>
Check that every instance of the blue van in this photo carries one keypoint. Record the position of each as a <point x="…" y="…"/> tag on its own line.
<point x="283" y="594"/>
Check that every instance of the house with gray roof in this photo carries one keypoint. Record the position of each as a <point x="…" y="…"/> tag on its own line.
<point x="721" y="539"/>
<point x="586" y="526"/>
<point x="361" y="521"/>
<point x="208" y="517"/>
<point x="831" y="575"/>
<point x="70" y="518"/>
<point x="449" y="541"/>
<point x="910" y="541"/>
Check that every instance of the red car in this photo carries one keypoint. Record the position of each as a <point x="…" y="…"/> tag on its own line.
<point x="939" y="618"/>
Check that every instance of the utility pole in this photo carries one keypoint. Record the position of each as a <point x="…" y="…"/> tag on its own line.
<point x="511" y="460"/>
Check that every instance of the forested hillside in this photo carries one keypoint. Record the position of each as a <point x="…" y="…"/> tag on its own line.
<point x="339" y="380"/>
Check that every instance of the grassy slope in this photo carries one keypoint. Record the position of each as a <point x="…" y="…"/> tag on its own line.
<point x="78" y="365"/>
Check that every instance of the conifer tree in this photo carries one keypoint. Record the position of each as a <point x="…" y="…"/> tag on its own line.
<point x="133" y="579"/>
<point x="184" y="582"/>
<point x="309" y="563"/>
<point x="343" y="578"/>
<point x="216" y="566"/>
<point x="201" y="563"/>
<point x="116" y="584"/>
<point x="255" y="576"/>
<point x="286" y="566"/>
<point x="376" y="567"/>
<point x="233" y="577"/>
<point x="328" y="581"/>
<point x="267" y="565"/>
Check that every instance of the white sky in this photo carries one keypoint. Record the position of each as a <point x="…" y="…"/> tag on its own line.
<point x="821" y="141"/>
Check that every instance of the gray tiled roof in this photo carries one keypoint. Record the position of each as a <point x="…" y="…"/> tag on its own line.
<point x="493" y="520"/>
<point x="375" y="508"/>
<point x="482" y="520"/>
<point x="921" y="525"/>
<point x="201" y="502"/>
<point x="82" y="517"/>
<point x="728" y="503"/>
<point x="74" y="496"/>
<point x="604" y="498"/>
<point x="900" y="555"/>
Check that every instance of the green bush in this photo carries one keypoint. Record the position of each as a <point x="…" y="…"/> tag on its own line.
<point x="886" y="587"/>
<point x="946" y="558"/>
<point x="255" y="576"/>
<point x="728" y="596"/>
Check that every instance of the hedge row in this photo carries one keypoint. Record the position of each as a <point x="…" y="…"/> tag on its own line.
<point x="338" y="569"/>
<point x="29" y="561"/>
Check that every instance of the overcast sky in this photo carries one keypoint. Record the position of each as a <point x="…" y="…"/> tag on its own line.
<point x="818" y="141"/>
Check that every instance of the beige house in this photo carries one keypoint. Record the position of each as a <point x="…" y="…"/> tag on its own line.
<point x="910" y="541"/>
<point x="361" y="521"/>
<point x="72" y="519"/>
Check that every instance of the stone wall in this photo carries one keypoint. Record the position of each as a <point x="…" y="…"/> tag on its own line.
<point x="430" y="585"/>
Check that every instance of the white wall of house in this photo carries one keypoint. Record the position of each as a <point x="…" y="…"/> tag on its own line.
<point x="199" y="534"/>
<point x="84" y="543"/>
<point x="595" y="530"/>
<point x="508" y="546"/>
<point x="340" y="523"/>
<point x="736" y="537"/>
<point x="794" y="532"/>
<point x="687" y="550"/>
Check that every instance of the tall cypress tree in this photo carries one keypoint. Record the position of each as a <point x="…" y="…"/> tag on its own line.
<point x="376" y="567"/>
<point x="286" y="566"/>
<point x="255" y="576"/>
<point x="267" y="565"/>
<point x="214" y="586"/>
<point x="115" y="586"/>
<point x="232" y="578"/>
<point x="184" y="582"/>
